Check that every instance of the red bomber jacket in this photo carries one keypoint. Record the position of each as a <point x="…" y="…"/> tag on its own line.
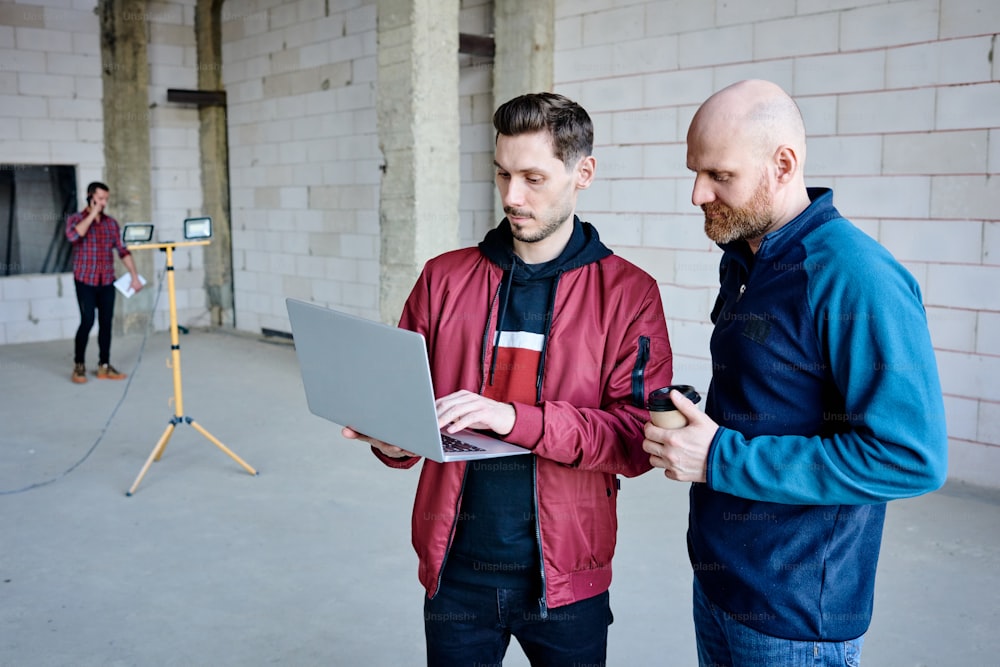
<point x="607" y="348"/>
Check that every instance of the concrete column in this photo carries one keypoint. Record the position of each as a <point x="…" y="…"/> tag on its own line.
<point x="417" y="105"/>
<point x="126" y="137"/>
<point x="524" y="35"/>
<point x="214" y="145"/>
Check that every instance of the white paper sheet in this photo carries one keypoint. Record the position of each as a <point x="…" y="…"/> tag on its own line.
<point x="124" y="284"/>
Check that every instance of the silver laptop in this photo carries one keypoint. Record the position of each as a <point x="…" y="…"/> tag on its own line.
<point x="375" y="378"/>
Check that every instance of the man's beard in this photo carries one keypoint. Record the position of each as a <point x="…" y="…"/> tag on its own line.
<point x="724" y="224"/>
<point x="549" y="224"/>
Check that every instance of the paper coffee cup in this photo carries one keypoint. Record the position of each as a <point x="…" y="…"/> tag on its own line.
<point x="662" y="411"/>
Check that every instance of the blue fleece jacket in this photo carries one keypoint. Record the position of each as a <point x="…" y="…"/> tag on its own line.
<point x="826" y="390"/>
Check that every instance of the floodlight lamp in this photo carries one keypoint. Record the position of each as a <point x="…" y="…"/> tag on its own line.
<point x="137" y="233"/>
<point x="198" y="228"/>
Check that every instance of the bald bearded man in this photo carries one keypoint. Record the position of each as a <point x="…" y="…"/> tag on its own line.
<point x="824" y="403"/>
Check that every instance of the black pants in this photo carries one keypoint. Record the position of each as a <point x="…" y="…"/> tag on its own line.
<point x="89" y="298"/>
<point x="472" y="625"/>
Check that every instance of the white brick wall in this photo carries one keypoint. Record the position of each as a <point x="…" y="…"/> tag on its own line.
<point x="49" y="55"/>
<point x="902" y="104"/>
<point x="900" y="99"/>
<point x="38" y="307"/>
<point x="960" y="152"/>
<point x="888" y="24"/>
<point x="938" y="63"/>
<point x="303" y="118"/>
<point x="175" y="154"/>
<point x="51" y="112"/>
<point x="796" y="36"/>
<point x="475" y="90"/>
<point x="960" y="18"/>
<point x="304" y="162"/>
<point x="46" y="56"/>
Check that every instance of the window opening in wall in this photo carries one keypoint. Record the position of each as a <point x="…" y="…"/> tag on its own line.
<point x="35" y="200"/>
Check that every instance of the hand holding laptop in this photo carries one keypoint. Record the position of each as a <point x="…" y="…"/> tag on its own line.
<point x="392" y="451"/>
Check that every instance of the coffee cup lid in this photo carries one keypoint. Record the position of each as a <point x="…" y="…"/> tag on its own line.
<point x="659" y="399"/>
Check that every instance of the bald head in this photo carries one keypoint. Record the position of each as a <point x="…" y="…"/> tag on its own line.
<point x="747" y="147"/>
<point x="757" y="112"/>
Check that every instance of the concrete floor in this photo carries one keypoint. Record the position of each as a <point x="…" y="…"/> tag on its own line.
<point x="310" y="562"/>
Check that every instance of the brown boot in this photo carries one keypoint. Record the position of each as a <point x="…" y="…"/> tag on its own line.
<point x="79" y="374"/>
<point x="109" y="372"/>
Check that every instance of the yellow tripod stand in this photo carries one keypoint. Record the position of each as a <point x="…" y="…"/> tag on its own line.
<point x="175" y="351"/>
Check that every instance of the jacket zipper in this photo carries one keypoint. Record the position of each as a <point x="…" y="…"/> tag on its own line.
<point x="639" y="373"/>
<point x="542" y="604"/>
<point x="483" y="365"/>
<point x="451" y="533"/>
<point x="543" y="608"/>
<point x="484" y="372"/>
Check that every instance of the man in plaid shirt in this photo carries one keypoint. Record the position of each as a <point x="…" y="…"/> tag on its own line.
<point x="93" y="236"/>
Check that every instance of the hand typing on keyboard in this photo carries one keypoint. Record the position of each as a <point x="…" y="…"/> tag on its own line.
<point x="466" y="409"/>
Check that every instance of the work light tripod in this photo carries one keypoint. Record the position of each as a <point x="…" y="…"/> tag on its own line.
<point x="175" y="352"/>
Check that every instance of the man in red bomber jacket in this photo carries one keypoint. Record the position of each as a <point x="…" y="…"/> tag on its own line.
<point x="544" y="337"/>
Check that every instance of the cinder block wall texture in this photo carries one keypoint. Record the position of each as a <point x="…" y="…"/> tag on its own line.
<point x="304" y="156"/>
<point x="51" y="113"/>
<point x="901" y="101"/>
<point x="902" y="104"/>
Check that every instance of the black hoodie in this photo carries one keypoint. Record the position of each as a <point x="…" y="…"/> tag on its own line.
<point x="496" y="543"/>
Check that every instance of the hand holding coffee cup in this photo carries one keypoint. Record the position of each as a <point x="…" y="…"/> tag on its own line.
<point x="663" y="412"/>
<point x="678" y="445"/>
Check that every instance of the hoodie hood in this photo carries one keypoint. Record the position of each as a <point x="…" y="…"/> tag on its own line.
<point x="584" y="247"/>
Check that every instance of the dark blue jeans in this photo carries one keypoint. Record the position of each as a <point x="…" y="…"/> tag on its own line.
<point x="468" y="626"/>
<point x="722" y="640"/>
<point x="89" y="298"/>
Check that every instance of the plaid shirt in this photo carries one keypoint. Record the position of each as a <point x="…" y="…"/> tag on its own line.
<point x="93" y="263"/>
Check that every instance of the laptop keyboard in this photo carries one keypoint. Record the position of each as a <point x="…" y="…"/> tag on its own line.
<point x="453" y="445"/>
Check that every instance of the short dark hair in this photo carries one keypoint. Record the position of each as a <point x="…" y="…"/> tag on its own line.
<point x="567" y="123"/>
<point x="95" y="186"/>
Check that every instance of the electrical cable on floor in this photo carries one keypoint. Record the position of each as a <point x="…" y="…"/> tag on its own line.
<point x="107" y="424"/>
